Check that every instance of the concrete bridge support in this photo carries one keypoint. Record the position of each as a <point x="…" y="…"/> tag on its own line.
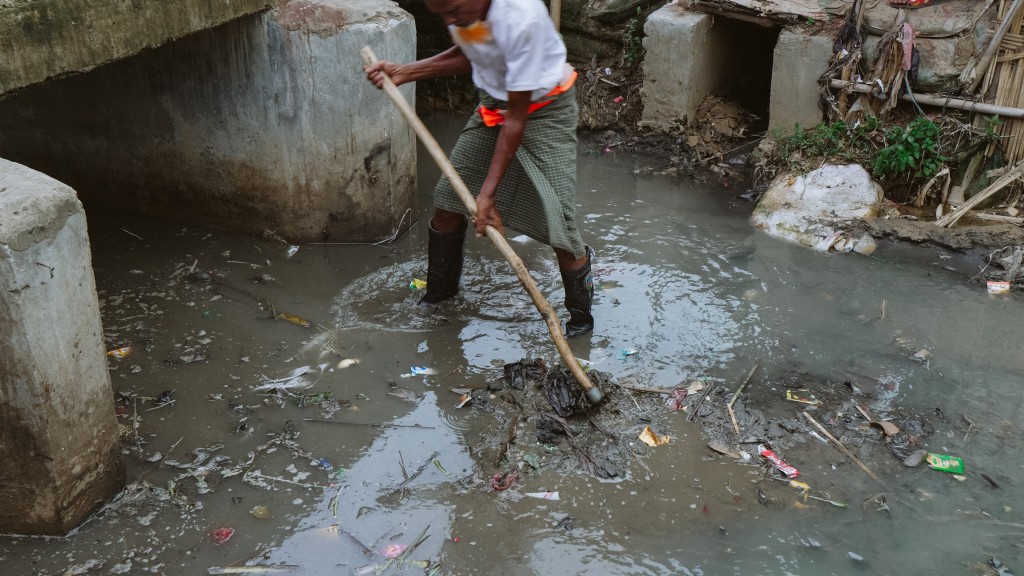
<point x="263" y="123"/>
<point x="692" y="55"/>
<point x="58" y="435"/>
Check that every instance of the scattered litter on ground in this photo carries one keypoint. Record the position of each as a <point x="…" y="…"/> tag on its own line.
<point x="417" y="284"/>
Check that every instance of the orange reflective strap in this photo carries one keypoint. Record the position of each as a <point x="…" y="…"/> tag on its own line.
<point x="494" y="117"/>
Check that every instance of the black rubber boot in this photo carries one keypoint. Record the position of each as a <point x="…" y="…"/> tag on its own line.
<point x="579" y="293"/>
<point x="444" y="264"/>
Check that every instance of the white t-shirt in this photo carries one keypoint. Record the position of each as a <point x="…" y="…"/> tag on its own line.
<point x="521" y="51"/>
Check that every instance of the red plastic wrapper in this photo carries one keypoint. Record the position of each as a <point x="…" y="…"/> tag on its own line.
<point x="786" y="469"/>
<point x="221" y="535"/>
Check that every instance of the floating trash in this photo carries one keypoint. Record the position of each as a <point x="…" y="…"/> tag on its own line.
<point x="417" y="284"/>
<point x="221" y="535"/>
<point x="786" y="469"/>
<point x="651" y="439"/>
<point x="998" y="287"/>
<point x="419" y="371"/>
<point x="293" y="319"/>
<point x="261" y="512"/>
<point x="544" y="495"/>
<point x="121" y="352"/>
<point x="946" y="463"/>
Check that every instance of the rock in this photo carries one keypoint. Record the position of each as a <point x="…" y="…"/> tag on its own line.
<point x="915" y="459"/>
<point x="865" y="245"/>
<point x="812" y="210"/>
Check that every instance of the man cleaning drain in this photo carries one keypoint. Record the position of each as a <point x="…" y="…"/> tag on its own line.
<point x="518" y="150"/>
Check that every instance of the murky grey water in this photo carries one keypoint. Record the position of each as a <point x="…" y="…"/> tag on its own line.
<point x="686" y="283"/>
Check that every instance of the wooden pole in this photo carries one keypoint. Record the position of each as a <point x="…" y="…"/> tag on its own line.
<point x="933" y="100"/>
<point x="543" y="306"/>
<point x="556" y="13"/>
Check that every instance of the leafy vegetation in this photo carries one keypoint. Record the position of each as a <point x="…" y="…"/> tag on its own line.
<point x="900" y="154"/>
<point x="911" y="150"/>
<point x="632" y="39"/>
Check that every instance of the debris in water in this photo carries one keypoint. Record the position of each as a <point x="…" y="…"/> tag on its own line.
<point x="793" y="395"/>
<point x="543" y="495"/>
<point x="856" y="556"/>
<point x="291" y="251"/>
<point x="261" y="512"/>
<point x="945" y="463"/>
<point x="675" y="399"/>
<point x="255" y="569"/>
<point x="504" y="481"/>
<point x="998" y="287"/>
<point x="916" y="458"/>
<point x="627" y="352"/>
<point x="417" y="284"/>
<point x="519" y="374"/>
<point x="121" y="352"/>
<point x="293" y="319"/>
<point x="394" y="550"/>
<point x="651" y="439"/>
<point x="419" y="371"/>
<point x="221" y="535"/>
<point x="786" y="469"/>
<point x="404" y="393"/>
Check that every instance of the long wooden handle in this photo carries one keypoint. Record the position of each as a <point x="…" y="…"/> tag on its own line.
<point x="543" y="306"/>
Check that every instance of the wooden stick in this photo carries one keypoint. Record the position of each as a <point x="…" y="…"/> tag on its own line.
<point x="556" y="13"/>
<point x="1005" y="180"/>
<point x="841" y="448"/>
<point x="732" y="416"/>
<point x="742" y="386"/>
<point x="993" y="46"/>
<point x="543" y="306"/>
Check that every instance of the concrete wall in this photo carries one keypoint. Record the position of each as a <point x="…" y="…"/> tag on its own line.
<point x="42" y="39"/>
<point x="58" y="436"/>
<point x="680" y="68"/>
<point x="799" y="61"/>
<point x="266" y="122"/>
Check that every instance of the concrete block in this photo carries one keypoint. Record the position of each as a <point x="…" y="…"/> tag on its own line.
<point x="58" y="436"/>
<point x="799" y="61"/>
<point x="266" y="122"/>
<point x="679" y="68"/>
<point x="42" y="39"/>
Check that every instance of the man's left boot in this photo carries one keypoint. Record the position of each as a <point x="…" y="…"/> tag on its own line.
<point x="579" y="294"/>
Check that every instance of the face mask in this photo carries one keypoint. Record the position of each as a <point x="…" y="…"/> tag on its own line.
<point x="475" y="33"/>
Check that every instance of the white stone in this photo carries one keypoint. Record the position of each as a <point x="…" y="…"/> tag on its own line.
<point x="815" y="209"/>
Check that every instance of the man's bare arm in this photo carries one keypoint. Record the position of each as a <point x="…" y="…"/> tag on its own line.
<point x="448" y="63"/>
<point x="509" y="139"/>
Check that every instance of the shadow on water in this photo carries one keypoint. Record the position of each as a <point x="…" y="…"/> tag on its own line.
<point x="685" y="285"/>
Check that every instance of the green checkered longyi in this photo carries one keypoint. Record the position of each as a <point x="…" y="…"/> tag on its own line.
<point x="537" y="195"/>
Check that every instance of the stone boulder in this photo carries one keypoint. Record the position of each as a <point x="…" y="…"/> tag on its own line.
<point x="817" y="209"/>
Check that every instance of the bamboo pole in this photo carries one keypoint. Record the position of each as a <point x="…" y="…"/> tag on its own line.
<point x="1005" y="180"/>
<point x="993" y="47"/>
<point x="543" y="306"/>
<point x="935" y="100"/>
<point x="556" y="13"/>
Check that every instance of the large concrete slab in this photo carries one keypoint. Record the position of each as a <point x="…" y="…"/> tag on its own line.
<point x="58" y="435"/>
<point x="799" y="61"/>
<point x="266" y="122"/>
<point x="680" y="67"/>
<point x="42" y="39"/>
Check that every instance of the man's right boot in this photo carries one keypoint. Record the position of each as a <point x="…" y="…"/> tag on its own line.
<point x="444" y="264"/>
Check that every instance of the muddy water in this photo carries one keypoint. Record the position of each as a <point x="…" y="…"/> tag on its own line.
<point x="686" y="286"/>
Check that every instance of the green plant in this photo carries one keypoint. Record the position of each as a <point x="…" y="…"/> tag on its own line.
<point x="632" y="39"/>
<point x="911" y="151"/>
